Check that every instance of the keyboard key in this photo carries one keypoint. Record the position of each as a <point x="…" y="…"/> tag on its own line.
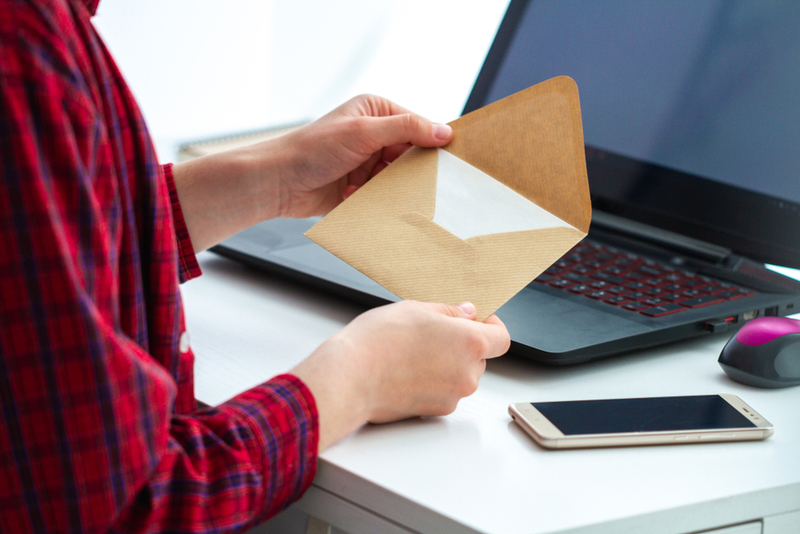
<point x="561" y="283"/>
<point x="664" y="309"/>
<point x="576" y="277"/>
<point x="602" y="275"/>
<point x="580" y="288"/>
<point x="654" y="302"/>
<point x="635" y="306"/>
<point x="635" y="276"/>
<point x="617" y="289"/>
<point x="636" y="285"/>
<point x="701" y="301"/>
<point x="635" y="295"/>
<point x="673" y="277"/>
<point x="707" y="289"/>
<point x="649" y="270"/>
<point x="655" y="281"/>
<point x="672" y="296"/>
<point x="582" y="269"/>
<point x="653" y="291"/>
<point x="617" y="300"/>
<point x="599" y="284"/>
<point x="598" y="294"/>
<point x="729" y="295"/>
<point x="692" y="283"/>
<point x="672" y="287"/>
<point x="544" y="278"/>
<point x="691" y="293"/>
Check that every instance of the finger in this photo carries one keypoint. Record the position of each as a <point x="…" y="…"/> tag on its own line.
<point x="376" y="106"/>
<point x="365" y="171"/>
<point x="391" y="153"/>
<point x="465" y="310"/>
<point x="378" y="168"/>
<point x="469" y="309"/>
<point x="349" y="190"/>
<point x="496" y="333"/>
<point x="494" y="319"/>
<point x="407" y="128"/>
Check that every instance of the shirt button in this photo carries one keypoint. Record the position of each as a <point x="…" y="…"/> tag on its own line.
<point x="183" y="343"/>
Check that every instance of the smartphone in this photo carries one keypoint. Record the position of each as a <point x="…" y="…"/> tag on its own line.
<point x="644" y="421"/>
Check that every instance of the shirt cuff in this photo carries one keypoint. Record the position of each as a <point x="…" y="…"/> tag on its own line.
<point x="283" y="413"/>
<point x="187" y="261"/>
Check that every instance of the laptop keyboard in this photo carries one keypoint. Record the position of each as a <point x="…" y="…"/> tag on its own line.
<point x="635" y="283"/>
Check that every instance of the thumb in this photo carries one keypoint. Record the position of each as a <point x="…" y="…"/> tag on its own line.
<point x="465" y="310"/>
<point x="408" y="128"/>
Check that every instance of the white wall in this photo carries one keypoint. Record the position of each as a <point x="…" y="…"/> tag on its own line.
<point x="200" y="68"/>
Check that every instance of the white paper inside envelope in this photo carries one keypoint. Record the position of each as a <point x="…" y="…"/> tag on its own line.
<point x="469" y="203"/>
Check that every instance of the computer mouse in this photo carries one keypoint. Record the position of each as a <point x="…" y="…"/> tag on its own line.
<point x="765" y="353"/>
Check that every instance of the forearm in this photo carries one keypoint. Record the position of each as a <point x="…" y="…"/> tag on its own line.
<point x="222" y="194"/>
<point x="227" y="467"/>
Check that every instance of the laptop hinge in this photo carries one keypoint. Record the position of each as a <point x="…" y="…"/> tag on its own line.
<point x="679" y="243"/>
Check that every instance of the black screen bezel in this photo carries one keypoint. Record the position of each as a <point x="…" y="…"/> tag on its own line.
<point x="750" y="224"/>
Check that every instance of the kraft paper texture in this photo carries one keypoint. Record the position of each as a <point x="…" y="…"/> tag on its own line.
<point x="532" y="143"/>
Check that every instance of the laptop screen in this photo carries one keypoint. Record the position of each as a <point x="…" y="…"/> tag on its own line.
<point x="691" y="109"/>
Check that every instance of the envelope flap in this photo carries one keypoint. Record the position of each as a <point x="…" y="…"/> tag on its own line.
<point x="533" y="252"/>
<point x="532" y="142"/>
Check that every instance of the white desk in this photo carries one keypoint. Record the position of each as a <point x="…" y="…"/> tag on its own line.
<point x="475" y="471"/>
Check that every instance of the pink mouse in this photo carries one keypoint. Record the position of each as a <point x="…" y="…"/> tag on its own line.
<point x="764" y="353"/>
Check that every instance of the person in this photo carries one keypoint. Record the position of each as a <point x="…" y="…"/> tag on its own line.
<point x="100" y="429"/>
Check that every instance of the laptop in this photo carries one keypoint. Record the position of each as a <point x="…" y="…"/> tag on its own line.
<point x="692" y="128"/>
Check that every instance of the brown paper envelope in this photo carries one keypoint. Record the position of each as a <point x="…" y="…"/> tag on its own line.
<point x="385" y="229"/>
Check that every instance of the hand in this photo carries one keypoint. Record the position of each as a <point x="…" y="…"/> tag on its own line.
<point x="306" y="172"/>
<point x="398" y="361"/>
<point x="341" y="151"/>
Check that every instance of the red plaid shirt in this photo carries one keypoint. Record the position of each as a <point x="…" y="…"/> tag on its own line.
<point x="99" y="429"/>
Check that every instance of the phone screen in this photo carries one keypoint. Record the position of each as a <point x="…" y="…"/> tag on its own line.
<point x="642" y="415"/>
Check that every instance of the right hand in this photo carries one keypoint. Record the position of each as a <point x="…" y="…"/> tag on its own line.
<point x="398" y="361"/>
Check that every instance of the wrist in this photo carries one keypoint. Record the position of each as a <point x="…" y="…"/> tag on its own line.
<point x="269" y="171"/>
<point x="340" y="387"/>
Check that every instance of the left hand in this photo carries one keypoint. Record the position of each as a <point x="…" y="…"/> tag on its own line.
<point x="340" y="152"/>
<point x="304" y="173"/>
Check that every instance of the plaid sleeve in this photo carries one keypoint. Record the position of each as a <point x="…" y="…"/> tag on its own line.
<point x="257" y="451"/>
<point x="187" y="261"/>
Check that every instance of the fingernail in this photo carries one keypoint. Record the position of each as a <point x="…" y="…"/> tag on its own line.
<point x="441" y="131"/>
<point x="467" y="307"/>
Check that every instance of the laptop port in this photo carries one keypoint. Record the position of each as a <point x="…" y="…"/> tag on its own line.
<point x="771" y="311"/>
<point x="750" y="315"/>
